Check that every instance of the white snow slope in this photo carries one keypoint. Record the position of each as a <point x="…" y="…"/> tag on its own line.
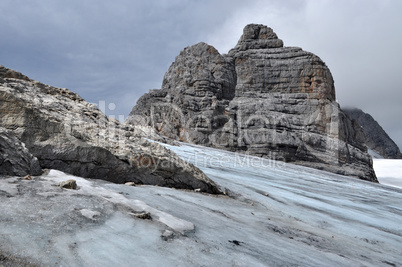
<point x="389" y="171"/>
<point x="275" y="214"/>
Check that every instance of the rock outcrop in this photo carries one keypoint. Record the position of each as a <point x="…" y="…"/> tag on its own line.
<point x="69" y="134"/>
<point x="375" y="136"/>
<point x="261" y="98"/>
<point x="15" y="159"/>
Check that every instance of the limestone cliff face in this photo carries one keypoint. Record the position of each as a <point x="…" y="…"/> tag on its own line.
<point x="69" y="134"/>
<point x="375" y="136"/>
<point x="261" y="98"/>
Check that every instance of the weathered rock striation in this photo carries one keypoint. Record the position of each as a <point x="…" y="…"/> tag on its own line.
<point x="69" y="134"/>
<point x="15" y="159"/>
<point x="376" y="138"/>
<point x="261" y="98"/>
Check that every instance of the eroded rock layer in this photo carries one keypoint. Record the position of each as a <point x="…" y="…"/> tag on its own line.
<point x="261" y="98"/>
<point x="66" y="133"/>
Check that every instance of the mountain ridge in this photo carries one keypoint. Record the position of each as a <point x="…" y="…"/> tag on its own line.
<point x="376" y="137"/>
<point x="261" y="98"/>
<point x="66" y="133"/>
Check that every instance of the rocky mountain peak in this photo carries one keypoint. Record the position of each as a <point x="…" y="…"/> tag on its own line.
<point x="261" y="98"/>
<point x="375" y="136"/>
<point x="200" y="70"/>
<point x="257" y="36"/>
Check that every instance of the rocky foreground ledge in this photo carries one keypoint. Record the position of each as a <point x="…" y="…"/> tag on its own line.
<point x="54" y="128"/>
<point x="261" y="98"/>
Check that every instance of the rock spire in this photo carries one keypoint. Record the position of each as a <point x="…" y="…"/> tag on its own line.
<point x="261" y="98"/>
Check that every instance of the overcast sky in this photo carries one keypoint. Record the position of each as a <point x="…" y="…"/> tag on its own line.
<point x="115" y="51"/>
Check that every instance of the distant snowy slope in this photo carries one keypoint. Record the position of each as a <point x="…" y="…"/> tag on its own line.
<point x="274" y="214"/>
<point x="389" y="171"/>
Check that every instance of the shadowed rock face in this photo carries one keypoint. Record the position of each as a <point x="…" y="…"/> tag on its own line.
<point x="261" y="98"/>
<point x="69" y="134"/>
<point x="375" y="136"/>
<point x="15" y="159"/>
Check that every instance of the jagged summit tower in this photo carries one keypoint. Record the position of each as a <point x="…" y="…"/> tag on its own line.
<point x="261" y="98"/>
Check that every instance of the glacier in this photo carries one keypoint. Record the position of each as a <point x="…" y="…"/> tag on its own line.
<point x="272" y="214"/>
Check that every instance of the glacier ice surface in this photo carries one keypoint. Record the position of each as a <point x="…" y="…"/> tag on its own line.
<point x="273" y="214"/>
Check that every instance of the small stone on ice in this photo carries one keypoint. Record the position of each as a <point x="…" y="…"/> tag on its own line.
<point x="90" y="214"/>
<point x="69" y="184"/>
<point x="144" y="216"/>
<point x="167" y="234"/>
